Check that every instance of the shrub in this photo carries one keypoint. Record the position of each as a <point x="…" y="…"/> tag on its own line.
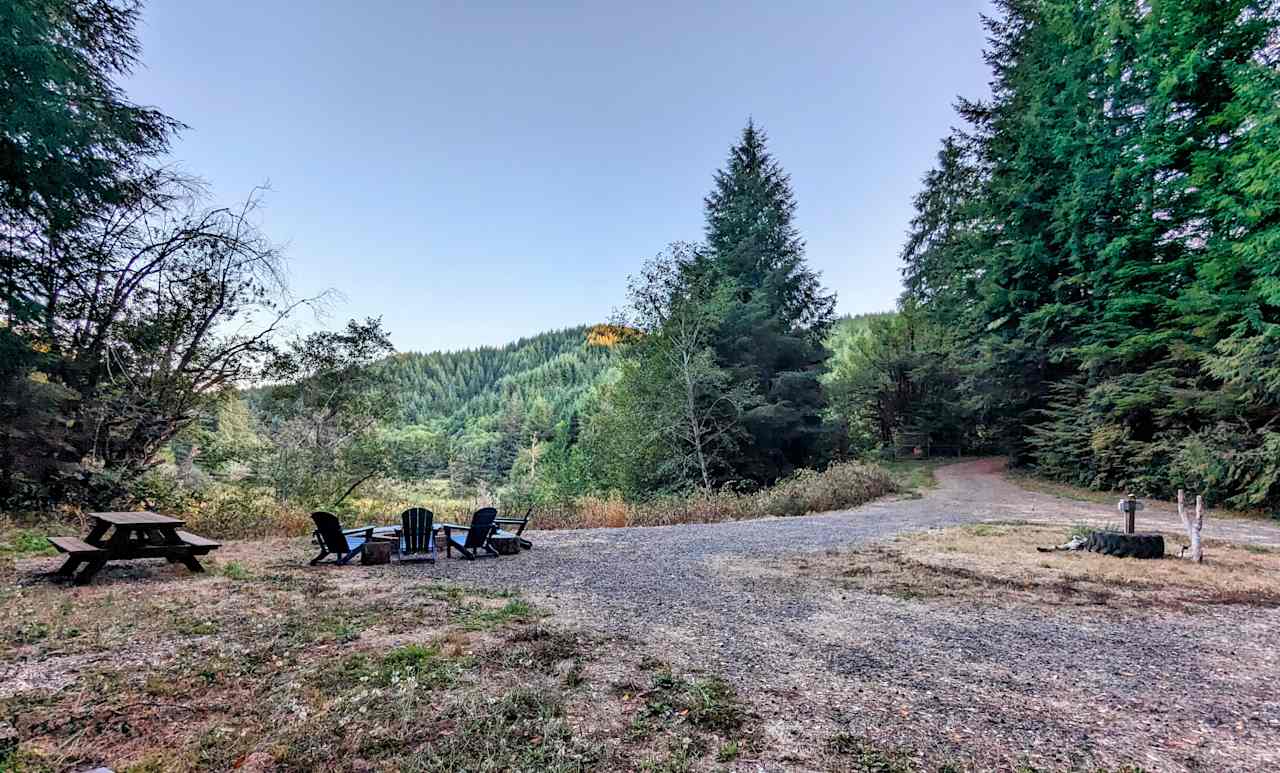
<point x="839" y="486"/>
<point x="228" y="511"/>
<point x="245" y="511"/>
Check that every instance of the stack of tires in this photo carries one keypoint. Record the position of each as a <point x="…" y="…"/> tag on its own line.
<point x="1115" y="543"/>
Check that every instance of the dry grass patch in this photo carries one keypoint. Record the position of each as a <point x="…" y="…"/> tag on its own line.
<point x="234" y="512"/>
<point x="263" y="664"/>
<point x="1034" y="483"/>
<point x="997" y="563"/>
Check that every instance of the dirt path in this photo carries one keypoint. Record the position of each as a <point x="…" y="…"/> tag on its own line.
<point x="981" y="487"/>
<point x="988" y="684"/>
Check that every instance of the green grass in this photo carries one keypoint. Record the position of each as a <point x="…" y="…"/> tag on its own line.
<point x="728" y="752"/>
<point x="26" y="543"/>
<point x="476" y="617"/>
<point x="235" y="570"/>
<point x="707" y="703"/>
<point x="425" y="665"/>
<point x="17" y="760"/>
<point x="713" y="705"/>
<point x="523" y="729"/>
<point x="916" y="475"/>
<point x="1080" y="529"/>
<point x="682" y="751"/>
<point x="861" y="755"/>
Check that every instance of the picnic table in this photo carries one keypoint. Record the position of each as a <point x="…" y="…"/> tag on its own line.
<point x="130" y="536"/>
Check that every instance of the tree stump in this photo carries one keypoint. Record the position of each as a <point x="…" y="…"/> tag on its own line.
<point x="376" y="552"/>
<point x="504" y="543"/>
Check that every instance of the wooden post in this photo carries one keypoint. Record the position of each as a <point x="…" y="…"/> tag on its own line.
<point x="1193" y="527"/>
<point x="1197" y="550"/>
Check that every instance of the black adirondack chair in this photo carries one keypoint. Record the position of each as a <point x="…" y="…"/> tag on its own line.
<point x="336" y="541"/>
<point x="477" y="537"/>
<point x="506" y="524"/>
<point x="417" y="535"/>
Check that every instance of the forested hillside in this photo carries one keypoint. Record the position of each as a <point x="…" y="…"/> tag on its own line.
<point x="461" y="386"/>
<point x="470" y="413"/>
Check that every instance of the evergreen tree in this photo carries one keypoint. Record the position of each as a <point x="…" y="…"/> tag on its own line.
<point x="1105" y="236"/>
<point x="893" y="373"/>
<point x="70" y="142"/>
<point x="770" y="335"/>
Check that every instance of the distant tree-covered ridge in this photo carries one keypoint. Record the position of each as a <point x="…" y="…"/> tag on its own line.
<point x="474" y="415"/>
<point x="469" y="384"/>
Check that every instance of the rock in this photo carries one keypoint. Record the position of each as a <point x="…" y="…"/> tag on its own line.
<point x="8" y="739"/>
<point x="257" y="762"/>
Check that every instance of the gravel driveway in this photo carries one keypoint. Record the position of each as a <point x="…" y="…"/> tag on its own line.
<point x="636" y="578"/>
<point x="991" y="685"/>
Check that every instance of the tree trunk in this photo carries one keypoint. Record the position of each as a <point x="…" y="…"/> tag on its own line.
<point x="1193" y="526"/>
<point x="695" y="430"/>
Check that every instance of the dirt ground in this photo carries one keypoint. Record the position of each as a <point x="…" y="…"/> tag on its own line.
<point x="909" y="634"/>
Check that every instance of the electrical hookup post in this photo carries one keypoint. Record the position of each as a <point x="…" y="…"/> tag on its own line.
<point x="1129" y="507"/>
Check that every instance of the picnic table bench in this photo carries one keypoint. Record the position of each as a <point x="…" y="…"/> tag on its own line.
<point x="130" y="536"/>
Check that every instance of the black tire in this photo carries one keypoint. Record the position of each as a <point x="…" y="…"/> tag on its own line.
<point x="1112" y="543"/>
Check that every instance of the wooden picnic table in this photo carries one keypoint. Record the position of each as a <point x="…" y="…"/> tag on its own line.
<point x="130" y="536"/>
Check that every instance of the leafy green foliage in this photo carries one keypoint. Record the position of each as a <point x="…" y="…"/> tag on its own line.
<point x="674" y="409"/>
<point x="129" y="305"/>
<point x="892" y="374"/>
<point x="1103" y="237"/>
<point x="323" y="425"/>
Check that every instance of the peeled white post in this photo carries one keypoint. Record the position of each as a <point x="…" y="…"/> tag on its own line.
<point x="1193" y="527"/>
<point x="1197" y="553"/>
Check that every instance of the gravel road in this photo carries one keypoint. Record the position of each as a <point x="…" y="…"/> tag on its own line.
<point x="991" y="684"/>
<point x="634" y="578"/>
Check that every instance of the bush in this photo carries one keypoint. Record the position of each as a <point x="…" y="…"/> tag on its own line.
<point x="244" y="511"/>
<point x="226" y="511"/>
<point x="840" y="486"/>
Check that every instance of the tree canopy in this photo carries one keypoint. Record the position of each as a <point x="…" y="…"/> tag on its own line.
<point x="1104" y="232"/>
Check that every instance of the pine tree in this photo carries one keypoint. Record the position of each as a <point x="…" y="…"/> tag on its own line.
<point x="753" y="241"/>
<point x="1112" y="256"/>
<point x="770" y="336"/>
<point x="70" y="142"/>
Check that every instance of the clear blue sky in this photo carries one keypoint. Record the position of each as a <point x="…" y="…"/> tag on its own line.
<point x="475" y="171"/>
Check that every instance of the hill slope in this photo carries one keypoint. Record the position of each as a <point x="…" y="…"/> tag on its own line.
<point x="462" y="387"/>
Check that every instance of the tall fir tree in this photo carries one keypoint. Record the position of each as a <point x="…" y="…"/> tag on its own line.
<point x="1116" y="264"/>
<point x="771" y="333"/>
<point x="70" y="143"/>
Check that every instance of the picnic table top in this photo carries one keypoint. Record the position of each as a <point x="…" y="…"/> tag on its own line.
<point x="137" y="519"/>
